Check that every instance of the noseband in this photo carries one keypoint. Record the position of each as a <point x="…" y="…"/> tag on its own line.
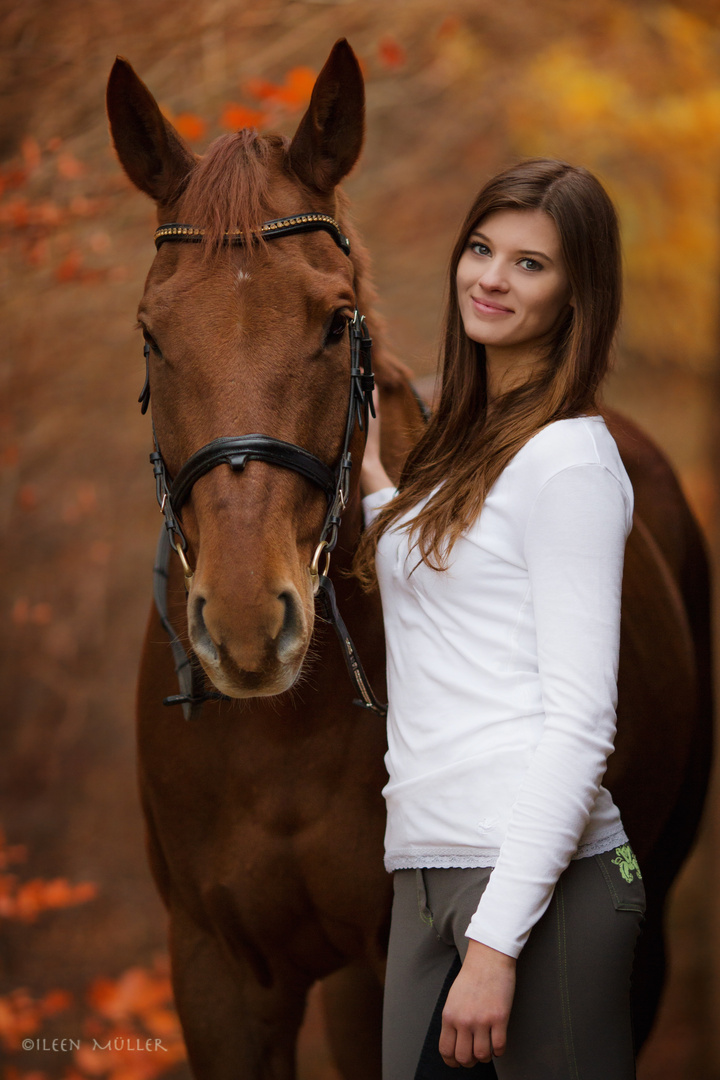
<point x="237" y="450"/>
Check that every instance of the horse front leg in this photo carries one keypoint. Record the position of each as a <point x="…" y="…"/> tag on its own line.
<point x="238" y="1021"/>
<point x="352" y="1001"/>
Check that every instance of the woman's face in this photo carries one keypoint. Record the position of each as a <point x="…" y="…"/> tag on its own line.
<point x="511" y="280"/>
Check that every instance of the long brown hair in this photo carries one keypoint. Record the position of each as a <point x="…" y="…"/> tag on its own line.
<point x="465" y="448"/>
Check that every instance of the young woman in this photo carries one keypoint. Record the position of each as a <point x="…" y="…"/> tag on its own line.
<point x="499" y="559"/>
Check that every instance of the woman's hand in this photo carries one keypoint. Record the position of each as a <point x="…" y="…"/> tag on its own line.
<point x="372" y="475"/>
<point x="477" y="1010"/>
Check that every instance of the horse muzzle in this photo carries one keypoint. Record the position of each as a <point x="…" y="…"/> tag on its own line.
<point x="253" y="649"/>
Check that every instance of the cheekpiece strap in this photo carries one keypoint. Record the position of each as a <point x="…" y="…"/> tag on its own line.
<point x="290" y="226"/>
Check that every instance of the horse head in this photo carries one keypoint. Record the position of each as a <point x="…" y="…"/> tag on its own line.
<point x="248" y="339"/>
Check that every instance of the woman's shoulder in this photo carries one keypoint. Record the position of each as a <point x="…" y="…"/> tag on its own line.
<point x="567" y="444"/>
<point x="582" y="440"/>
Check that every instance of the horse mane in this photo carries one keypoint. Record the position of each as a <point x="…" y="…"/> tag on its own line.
<point x="390" y="372"/>
<point x="228" y="189"/>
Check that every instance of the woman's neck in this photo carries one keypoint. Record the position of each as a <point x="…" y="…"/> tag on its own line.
<point x="508" y="367"/>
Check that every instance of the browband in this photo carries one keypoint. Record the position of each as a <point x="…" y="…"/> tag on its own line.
<point x="289" y="226"/>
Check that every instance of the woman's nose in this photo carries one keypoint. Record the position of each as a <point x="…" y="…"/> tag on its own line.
<point x="493" y="278"/>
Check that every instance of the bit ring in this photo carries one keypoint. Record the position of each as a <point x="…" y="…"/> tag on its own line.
<point x="315" y="564"/>
<point x="189" y="574"/>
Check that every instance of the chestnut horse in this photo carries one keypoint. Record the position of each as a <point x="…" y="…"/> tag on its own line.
<point x="264" y="816"/>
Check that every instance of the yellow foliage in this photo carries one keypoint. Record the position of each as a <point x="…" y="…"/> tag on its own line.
<point x="644" y="114"/>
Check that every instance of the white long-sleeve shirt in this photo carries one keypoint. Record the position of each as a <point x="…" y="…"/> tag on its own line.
<point x="502" y="678"/>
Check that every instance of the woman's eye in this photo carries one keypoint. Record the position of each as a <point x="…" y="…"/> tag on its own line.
<point x="479" y="248"/>
<point x="531" y="264"/>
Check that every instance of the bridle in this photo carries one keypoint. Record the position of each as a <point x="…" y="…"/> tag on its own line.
<point x="237" y="450"/>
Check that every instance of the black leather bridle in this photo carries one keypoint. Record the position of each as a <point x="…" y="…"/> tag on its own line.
<point x="237" y="450"/>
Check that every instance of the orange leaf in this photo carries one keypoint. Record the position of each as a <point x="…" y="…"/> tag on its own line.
<point x="137" y="991"/>
<point x="101" y="996"/>
<point x="190" y="126"/>
<point x="13" y="178"/>
<point x="391" y="53"/>
<point x="46" y="213"/>
<point x="236" y="117"/>
<point x="298" y="87"/>
<point x="69" y="269"/>
<point x="83" y="892"/>
<point x="162" y="1022"/>
<point x="69" y="167"/>
<point x="58" y="892"/>
<point x="93" y="1062"/>
<point x="19" y="1016"/>
<point x="28" y="900"/>
<point x="37" y="254"/>
<point x="16" y="213"/>
<point x="261" y="88"/>
<point x="30" y="151"/>
<point x="292" y="94"/>
<point x="449" y="26"/>
<point x="56" y="1001"/>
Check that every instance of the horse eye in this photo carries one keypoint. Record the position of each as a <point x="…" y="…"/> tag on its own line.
<point x="337" y="327"/>
<point x="151" y="341"/>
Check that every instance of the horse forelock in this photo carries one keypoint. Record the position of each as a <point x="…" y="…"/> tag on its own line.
<point x="229" y="187"/>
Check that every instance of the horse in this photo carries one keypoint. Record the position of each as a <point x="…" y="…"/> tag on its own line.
<point x="264" y="816"/>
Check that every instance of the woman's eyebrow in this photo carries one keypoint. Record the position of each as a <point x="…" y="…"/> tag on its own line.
<point x="540" y="254"/>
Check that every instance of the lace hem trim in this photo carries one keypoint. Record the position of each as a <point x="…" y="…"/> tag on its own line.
<point x="448" y="860"/>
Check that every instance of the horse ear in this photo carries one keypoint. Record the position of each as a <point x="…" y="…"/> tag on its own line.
<point x="149" y="148"/>
<point x="330" y="135"/>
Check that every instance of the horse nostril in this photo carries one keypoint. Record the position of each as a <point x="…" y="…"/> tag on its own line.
<point x="202" y="643"/>
<point x="292" y="623"/>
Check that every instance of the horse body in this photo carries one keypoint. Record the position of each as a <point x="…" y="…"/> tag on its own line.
<point x="264" y="818"/>
<point x="265" y="824"/>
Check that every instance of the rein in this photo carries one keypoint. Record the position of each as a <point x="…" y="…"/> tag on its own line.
<point x="236" y="451"/>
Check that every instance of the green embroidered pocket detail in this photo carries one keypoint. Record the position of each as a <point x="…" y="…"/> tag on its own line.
<point x="627" y="863"/>
<point x="623" y="878"/>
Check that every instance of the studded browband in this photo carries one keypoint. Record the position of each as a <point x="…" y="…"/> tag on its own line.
<point x="290" y="226"/>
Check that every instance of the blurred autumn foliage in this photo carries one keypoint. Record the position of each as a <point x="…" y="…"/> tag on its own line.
<point x="28" y="899"/>
<point x="629" y="88"/>
<point x="129" y="1031"/>
<point x="640" y="104"/>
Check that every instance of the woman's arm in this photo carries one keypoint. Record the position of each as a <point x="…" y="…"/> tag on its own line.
<point x="574" y="549"/>
<point x="372" y="475"/>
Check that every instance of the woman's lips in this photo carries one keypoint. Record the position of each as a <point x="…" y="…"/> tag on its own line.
<point x="486" y="307"/>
